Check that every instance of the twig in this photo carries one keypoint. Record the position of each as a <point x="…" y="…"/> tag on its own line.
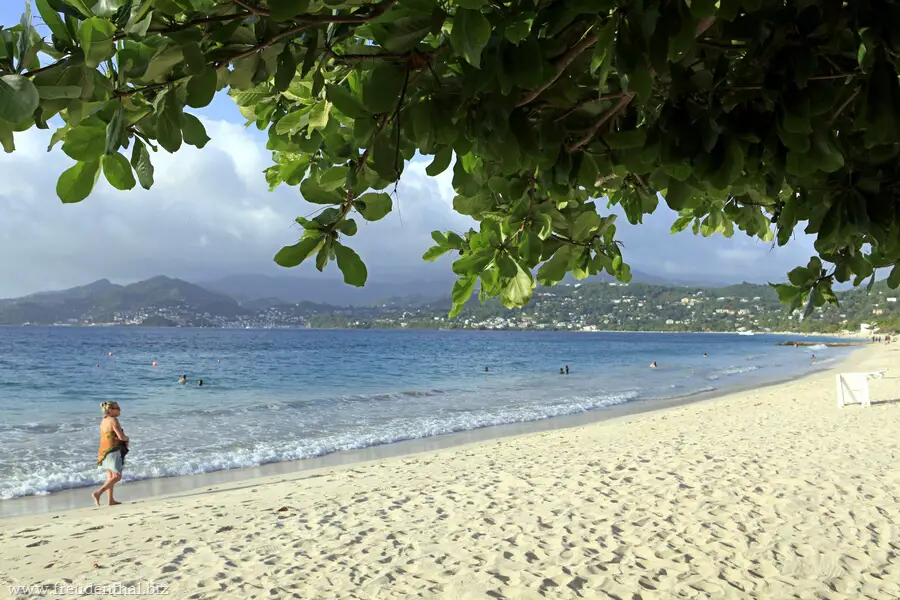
<point x="592" y="131"/>
<point x="586" y="102"/>
<point x="377" y="10"/>
<point x="396" y="120"/>
<point x="841" y="108"/>
<point x="561" y="64"/>
<point x="703" y="25"/>
<point x="368" y="150"/>
<point x="247" y="7"/>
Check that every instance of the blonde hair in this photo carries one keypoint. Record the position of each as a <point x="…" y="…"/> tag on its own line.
<point x="105" y="407"/>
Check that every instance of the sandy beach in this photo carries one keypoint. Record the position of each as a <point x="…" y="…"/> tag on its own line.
<point x="772" y="493"/>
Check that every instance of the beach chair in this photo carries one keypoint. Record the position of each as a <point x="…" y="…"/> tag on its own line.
<point x="854" y="387"/>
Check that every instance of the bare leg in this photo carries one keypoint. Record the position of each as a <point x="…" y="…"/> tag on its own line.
<point x="115" y="479"/>
<point x="96" y="495"/>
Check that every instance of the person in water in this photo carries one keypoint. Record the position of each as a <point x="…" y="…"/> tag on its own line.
<point x="486" y="370"/>
<point x="183" y="379"/>
<point x="199" y="383"/>
<point x="561" y="371"/>
<point x="813" y="357"/>
<point x="653" y="365"/>
<point x="704" y="355"/>
<point x="113" y="447"/>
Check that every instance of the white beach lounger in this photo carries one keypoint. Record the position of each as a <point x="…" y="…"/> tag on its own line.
<point x="854" y="387"/>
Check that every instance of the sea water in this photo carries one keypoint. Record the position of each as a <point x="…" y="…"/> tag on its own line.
<point x="276" y="395"/>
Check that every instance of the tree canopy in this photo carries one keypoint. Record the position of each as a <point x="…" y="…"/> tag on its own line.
<point x="750" y="114"/>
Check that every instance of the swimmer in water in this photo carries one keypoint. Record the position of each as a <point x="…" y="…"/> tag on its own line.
<point x="653" y="365"/>
<point x="567" y="369"/>
<point x="199" y="383"/>
<point x="486" y="370"/>
<point x="704" y="355"/>
<point x="813" y="357"/>
<point x="562" y="372"/>
<point x="183" y="379"/>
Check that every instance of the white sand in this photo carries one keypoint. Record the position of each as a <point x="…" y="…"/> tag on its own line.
<point x="774" y="493"/>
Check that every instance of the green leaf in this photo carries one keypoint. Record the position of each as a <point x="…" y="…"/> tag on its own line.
<point x="603" y="51"/>
<point x="115" y="131"/>
<point x="312" y="192"/>
<point x="168" y="123"/>
<point x="344" y="100"/>
<point x="435" y="252"/>
<point x="440" y="162"/>
<point x="373" y="206"/>
<point x="585" y="224"/>
<point x="76" y="183"/>
<point x="18" y="99"/>
<point x="201" y="88"/>
<point x="518" y="290"/>
<point x="473" y="263"/>
<point x="381" y="88"/>
<point x="96" y="37"/>
<point x="194" y="131"/>
<point x="53" y="21"/>
<point x="292" y="122"/>
<point x="140" y="161"/>
<point x="84" y="143"/>
<point x="470" y="34"/>
<point x="285" y="10"/>
<point x="351" y="265"/>
<point x="6" y="138"/>
<point x="518" y="31"/>
<point x="57" y="92"/>
<point x="893" y="279"/>
<point x="348" y="227"/>
<point x="292" y="256"/>
<point x="462" y="291"/>
<point x="318" y="116"/>
<point x="118" y="171"/>
<point x="287" y="68"/>
<point x="554" y="270"/>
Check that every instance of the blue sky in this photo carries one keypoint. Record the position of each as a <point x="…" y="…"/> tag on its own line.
<point x="210" y="215"/>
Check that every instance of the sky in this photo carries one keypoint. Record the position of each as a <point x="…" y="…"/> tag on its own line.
<point x="210" y="215"/>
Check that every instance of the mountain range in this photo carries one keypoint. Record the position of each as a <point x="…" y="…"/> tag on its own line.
<point x="100" y="299"/>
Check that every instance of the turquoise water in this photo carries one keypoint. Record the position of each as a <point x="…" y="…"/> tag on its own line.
<point x="273" y="395"/>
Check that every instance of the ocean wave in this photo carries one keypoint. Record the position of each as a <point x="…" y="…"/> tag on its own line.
<point x="41" y="481"/>
<point x="817" y="347"/>
<point x="735" y="370"/>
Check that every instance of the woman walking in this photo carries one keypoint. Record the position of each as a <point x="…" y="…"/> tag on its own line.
<point x="113" y="447"/>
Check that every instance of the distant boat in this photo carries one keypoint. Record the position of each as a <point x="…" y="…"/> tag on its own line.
<point x="746" y="333"/>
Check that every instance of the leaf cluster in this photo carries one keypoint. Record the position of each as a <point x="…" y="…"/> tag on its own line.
<point x="755" y="115"/>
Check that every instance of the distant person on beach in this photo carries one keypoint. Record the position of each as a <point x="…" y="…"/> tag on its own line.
<point x="653" y="365"/>
<point x="113" y="448"/>
<point x="183" y="379"/>
<point x="567" y="369"/>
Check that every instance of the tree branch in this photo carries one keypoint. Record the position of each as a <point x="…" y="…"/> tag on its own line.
<point x="586" y="102"/>
<point x="561" y="64"/>
<point x="703" y="25"/>
<point x="841" y="108"/>
<point x="377" y="10"/>
<point x="592" y="131"/>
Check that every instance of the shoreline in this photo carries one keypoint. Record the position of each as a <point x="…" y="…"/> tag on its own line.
<point x="167" y="486"/>
<point x="771" y="492"/>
